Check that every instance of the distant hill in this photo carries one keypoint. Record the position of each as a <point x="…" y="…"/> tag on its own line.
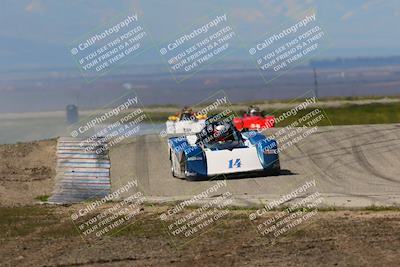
<point x="355" y="62"/>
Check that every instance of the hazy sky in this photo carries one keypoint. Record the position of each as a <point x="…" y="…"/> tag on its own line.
<point x="38" y="32"/>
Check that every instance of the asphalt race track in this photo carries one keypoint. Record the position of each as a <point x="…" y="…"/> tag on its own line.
<point x="353" y="166"/>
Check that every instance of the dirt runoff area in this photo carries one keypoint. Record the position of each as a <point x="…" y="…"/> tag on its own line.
<point x="45" y="236"/>
<point x="27" y="172"/>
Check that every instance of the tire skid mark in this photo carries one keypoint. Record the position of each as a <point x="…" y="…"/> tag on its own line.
<point x="362" y="159"/>
<point x="348" y="151"/>
<point x="355" y="150"/>
<point x="356" y="136"/>
<point x="317" y="168"/>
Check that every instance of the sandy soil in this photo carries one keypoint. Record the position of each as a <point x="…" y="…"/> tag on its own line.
<point x="27" y="171"/>
<point x="345" y="238"/>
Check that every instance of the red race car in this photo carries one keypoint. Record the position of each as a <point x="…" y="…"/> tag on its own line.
<point x="254" y="120"/>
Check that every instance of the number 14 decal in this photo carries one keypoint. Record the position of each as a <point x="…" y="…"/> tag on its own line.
<point x="234" y="164"/>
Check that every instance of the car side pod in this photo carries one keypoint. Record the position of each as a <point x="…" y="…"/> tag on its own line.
<point x="267" y="150"/>
<point x="268" y="154"/>
<point x="196" y="164"/>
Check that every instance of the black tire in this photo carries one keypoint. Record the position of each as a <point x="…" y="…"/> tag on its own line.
<point x="182" y="163"/>
<point x="172" y="165"/>
<point x="173" y="171"/>
<point x="273" y="172"/>
<point x="182" y="168"/>
<point x="195" y="178"/>
<point x="276" y="171"/>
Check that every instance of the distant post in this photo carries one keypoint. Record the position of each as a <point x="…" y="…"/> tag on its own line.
<point x="315" y="83"/>
<point x="72" y="114"/>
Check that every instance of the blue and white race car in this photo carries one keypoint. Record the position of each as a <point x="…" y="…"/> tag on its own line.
<point x="219" y="148"/>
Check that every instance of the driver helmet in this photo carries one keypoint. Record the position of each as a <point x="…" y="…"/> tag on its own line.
<point x="186" y="109"/>
<point x="254" y="111"/>
<point x="186" y="113"/>
<point x="220" y="132"/>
